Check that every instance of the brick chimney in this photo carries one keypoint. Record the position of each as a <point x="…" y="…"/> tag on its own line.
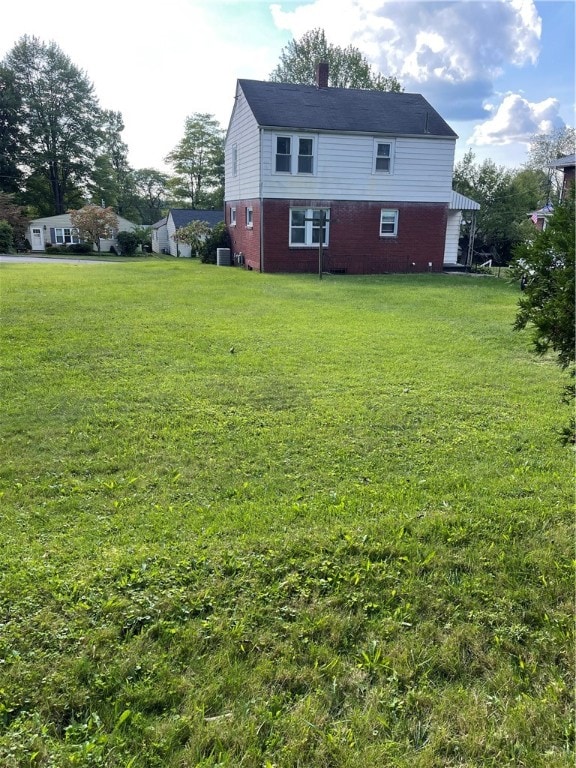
<point x="322" y="74"/>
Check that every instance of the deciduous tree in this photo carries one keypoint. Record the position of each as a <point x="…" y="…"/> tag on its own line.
<point x="193" y="234"/>
<point x="198" y="160"/>
<point x="10" y="129"/>
<point x="59" y="116"/>
<point x="348" y="67"/>
<point x="94" y="222"/>
<point x="506" y="196"/>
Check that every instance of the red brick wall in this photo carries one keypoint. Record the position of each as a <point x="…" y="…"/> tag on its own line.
<point x="243" y="239"/>
<point x="355" y="245"/>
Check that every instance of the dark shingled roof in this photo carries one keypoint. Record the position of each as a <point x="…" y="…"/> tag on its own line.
<point x="183" y="216"/>
<point x="286" y="105"/>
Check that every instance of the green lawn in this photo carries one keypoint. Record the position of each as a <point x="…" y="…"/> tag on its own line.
<point x="266" y="521"/>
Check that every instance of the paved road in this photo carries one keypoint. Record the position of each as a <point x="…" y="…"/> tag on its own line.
<point x="43" y="259"/>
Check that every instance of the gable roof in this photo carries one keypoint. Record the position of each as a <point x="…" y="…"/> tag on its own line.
<point x="183" y="216"/>
<point x="568" y="161"/>
<point x="287" y="105"/>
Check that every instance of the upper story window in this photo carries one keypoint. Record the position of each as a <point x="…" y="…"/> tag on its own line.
<point x="294" y="154"/>
<point x="383" y="156"/>
<point x="234" y="160"/>
<point x="388" y="222"/>
<point x="283" y="154"/>
<point x="305" y="156"/>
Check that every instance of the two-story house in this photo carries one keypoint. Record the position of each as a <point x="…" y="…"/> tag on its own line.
<point x="368" y="171"/>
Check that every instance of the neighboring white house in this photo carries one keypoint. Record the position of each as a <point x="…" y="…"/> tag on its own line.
<point x="367" y="172"/>
<point x="59" y="230"/>
<point x="163" y="231"/>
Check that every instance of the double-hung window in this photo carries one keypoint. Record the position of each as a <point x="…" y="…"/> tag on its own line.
<point x="306" y="225"/>
<point x="249" y="218"/>
<point x="388" y="222"/>
<point x="283" y="154"/>
<point x="383" y="156"/>
<point x="232" y="217"/>
<point x="305" y="156"/>
<point x="294" y="154"/>
<point x="66" y="235"/>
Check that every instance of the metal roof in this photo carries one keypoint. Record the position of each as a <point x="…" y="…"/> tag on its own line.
<point x="564" y="162"/>
<point x="307" y="107"/>
<point x="460" y="202"/>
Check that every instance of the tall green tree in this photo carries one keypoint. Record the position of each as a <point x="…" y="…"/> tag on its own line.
<point x="348" y="67"/>
<point x="59" y="116"/>
<point x="10" y="105"/>
<point x="198" y="161"/>
<point x="111" y="180"/>
<point x="150" y="190"/>
<point x="505" y="195"/>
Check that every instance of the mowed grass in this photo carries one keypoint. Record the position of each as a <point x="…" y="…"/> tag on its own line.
<point x="270" y="521"/>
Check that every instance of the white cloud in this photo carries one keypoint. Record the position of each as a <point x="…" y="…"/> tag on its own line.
<point x="432" y="46"/>
<point x="516" y="120"/>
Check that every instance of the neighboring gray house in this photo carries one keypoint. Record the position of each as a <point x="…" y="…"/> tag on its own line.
<point x="163" y="240"/>
<point x="59" y="230"/>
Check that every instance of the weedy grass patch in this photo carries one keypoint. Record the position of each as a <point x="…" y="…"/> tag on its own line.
<point x="271" y="521"/>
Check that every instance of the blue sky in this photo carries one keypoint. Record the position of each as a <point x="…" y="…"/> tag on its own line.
<point x="497" y="70"/>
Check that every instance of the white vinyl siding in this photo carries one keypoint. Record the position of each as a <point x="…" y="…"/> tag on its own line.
<point x="452" y="237"/>
<point x="244" y="134"/>
<point x="344" y="170"/>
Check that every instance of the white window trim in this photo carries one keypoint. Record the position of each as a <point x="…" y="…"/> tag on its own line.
<point x="308" y="228"/>
<point x="294" y="153"/>
<point x="389" y="212"/>
<point x="249" y="218"/>
<point x="234" y="159"/>
<point x="275" y="152"/>
<point x="233" y="216"/>
<point x="61" y="232"/>
<point x="391" y="143"/>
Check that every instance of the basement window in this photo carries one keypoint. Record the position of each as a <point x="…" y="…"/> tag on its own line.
<point x="388" y="222"/>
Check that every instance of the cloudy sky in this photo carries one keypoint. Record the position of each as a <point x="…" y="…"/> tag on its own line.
<point x="497" y="70"/>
